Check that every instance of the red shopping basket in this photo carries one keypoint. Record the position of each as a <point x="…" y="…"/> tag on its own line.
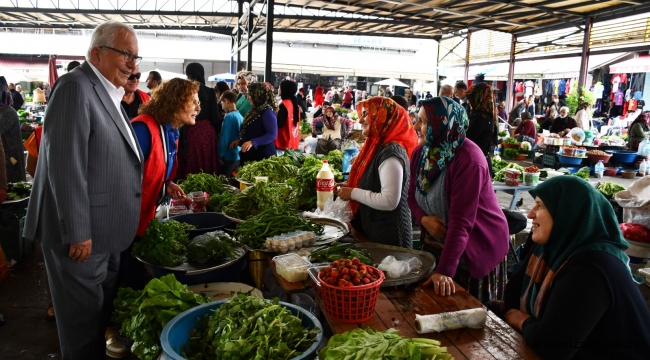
<point x="350" y="304"/>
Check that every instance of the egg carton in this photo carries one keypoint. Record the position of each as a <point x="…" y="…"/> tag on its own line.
<point x="290" y="241"/>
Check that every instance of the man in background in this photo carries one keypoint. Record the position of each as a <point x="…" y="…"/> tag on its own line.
<point x="17" y="98"/>
<point x="460" y="95"/>
<point x="153" y="80"/>
<point x="447" y="91"/>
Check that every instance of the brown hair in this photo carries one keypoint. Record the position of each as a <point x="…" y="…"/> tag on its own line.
<point x="230" y="96"/>
<point x="169" y="99"/>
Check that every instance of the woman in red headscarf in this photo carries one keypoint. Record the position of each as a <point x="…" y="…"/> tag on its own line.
<point x="379" y="197"/>
<point x="319" y="98"/>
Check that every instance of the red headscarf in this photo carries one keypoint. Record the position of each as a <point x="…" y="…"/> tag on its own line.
<point x="389" y="122"/>
<point x="318" y="96"/>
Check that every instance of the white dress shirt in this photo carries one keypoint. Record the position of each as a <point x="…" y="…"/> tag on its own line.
<point x="116" y="95"/>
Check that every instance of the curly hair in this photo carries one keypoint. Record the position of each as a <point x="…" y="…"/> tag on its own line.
<point x="169" y="99"/>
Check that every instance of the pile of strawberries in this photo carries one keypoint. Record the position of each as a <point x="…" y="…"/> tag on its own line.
<point x="532" y="169"/>
<point x="348" y="273"/>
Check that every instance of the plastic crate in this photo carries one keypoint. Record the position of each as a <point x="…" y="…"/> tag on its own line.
<point x="548" y="160"/>
<point x="552" y="150"/>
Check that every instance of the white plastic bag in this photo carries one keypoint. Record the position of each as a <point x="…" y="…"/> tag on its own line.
<point x="338" y="209"/>
<point x="394" y="268"/>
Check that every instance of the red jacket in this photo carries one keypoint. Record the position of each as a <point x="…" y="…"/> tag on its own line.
<point x="153" y="174"/>
<point x="289" y="134"/>
<point x="143" y="96"/>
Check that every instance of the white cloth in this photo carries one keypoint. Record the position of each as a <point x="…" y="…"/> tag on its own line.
<point x="598" y="91"/>
<point x="529" y="87"/>
<point x="582" y="120"/>
<point x="390" y="176"/>
<point x="116" y="95"/>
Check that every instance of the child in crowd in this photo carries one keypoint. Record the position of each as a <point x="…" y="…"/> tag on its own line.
<point x="229" y="155"/>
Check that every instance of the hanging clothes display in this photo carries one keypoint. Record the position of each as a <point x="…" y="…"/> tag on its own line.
<point x="561" y="87"/>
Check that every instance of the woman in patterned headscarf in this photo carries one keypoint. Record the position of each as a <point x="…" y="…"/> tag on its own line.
<point x="244" y="80"/>
<point x="260" y="126"/>
<point x="377" y="191"/>
<point x="451" y="197"/>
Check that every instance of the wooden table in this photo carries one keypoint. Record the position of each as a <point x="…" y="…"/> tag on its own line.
<point x="396" y="308"/>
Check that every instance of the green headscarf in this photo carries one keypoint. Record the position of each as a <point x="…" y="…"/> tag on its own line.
<point x="583" y="220"/>
<point x="262" y="98"/>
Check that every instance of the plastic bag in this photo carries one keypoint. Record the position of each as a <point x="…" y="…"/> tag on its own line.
<point x="394" y="268"/>
<point x="338" y="209"/>
<point x="350" y="151"/>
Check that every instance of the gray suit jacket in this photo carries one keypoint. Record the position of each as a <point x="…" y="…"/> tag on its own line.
<point x="89" y="176"/>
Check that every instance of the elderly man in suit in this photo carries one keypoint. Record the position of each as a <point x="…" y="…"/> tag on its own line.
<point x="85" y="203"/>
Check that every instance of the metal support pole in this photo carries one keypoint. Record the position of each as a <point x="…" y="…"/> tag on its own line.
<point x="249" y="48"/>
<point x="466" y="72"/>
<point x="584" y="61"/>
<point x="511" y="75"/>
<point x="240" y="11"/>
<point x="437" y="70"/>
<point x="268" y="62"/>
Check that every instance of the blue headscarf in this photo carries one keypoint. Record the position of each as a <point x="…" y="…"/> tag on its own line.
<point x="447" y="124"/>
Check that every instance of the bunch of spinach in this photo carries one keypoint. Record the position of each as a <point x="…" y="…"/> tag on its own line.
<point x="143" y="314"/>
<point x="277" y="168"/>
<point x="335" y="160"/>
<point x="218" y="201"/>
<point x="203" y="182"/>
<point x="247" y="327"/>
<point x="212" y="246"/>
<point x="259" y="197"/>
<point x="304" y="185"/>
<point x="609" y="189"/>
<point x="583" y="173"/>
<point x="296" y="156"/>
<point x="164" y="243"/>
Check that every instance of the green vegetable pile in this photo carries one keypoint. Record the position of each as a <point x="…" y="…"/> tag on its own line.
<point x="339" y="251"/>
<point x="502" y="133"/>
<point x="609" y="189"/>
<point x="277" y="168"/>
<point x="583" y="173"/>
<point x="305" y="127"/>
<point x="257" y="198"/>
<point x="511" y="140"/>
<point x="296" y="156"/>
<point x="164" y="243"/>
<point x="510" y="153"/>
<point x="144" y="313"/>
<point x="370" y="344"/>
<point x="304" y="184"/>
<point x="212" y="246"/>
<point x="501" y="174"/>
<point x="203" y="182"/>
<point x="218" y="201"/>
<point x="335" y="160"/>
<point x="20" y="190"/>
<point x="247" y="327"/>
<point x="274" y="221"/>
<point x="498" y="165"/>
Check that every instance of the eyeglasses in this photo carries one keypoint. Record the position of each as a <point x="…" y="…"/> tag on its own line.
<point x="135" y="76"/>
<point x="128" y="57"/>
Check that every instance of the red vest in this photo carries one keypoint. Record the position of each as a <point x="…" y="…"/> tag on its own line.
<point x="289" y="135"/>
<point x="153" y="174"/>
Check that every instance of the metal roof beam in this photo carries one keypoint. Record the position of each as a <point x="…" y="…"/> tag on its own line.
<point x="117" y="12"/>
<point x="359" y="20"/>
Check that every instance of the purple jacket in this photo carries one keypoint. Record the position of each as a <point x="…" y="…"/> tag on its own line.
<point x="477" y="228"/>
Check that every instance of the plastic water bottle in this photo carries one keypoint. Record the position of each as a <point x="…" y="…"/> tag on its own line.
<point x="643" y="168"/>
<point x="599" y="169"/>
<point x="646" y="147"/>
<point x="324" y="185"/>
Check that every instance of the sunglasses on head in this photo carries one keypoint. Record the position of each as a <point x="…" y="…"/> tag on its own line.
<point x="135" y="76"/>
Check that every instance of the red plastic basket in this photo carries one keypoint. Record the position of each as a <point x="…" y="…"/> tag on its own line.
<point x="351" y="304"/>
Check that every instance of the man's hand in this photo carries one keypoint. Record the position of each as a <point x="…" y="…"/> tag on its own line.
<point x="442" y="285"/>
<point x="175" y="191"/>
<point x="81" y="251"/>
<point x="234" y="144"/>
<point x="516" y="318"/>
<point x="3" y="195"/>
<point x="434" y="226"/>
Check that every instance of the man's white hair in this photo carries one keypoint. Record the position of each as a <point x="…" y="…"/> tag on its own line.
<point x="564" y="108"/>
<point x="104" y="35"/>
<point x="447" y="90"/>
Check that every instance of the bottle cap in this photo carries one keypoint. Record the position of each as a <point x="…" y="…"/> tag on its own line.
<point x="324" y="161"/>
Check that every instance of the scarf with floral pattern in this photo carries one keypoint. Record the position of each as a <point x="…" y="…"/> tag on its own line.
<point x="262" y="98"/>
<point x="447" y="124"/>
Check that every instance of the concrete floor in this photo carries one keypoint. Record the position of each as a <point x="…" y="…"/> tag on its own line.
<point x="24" y="299"/>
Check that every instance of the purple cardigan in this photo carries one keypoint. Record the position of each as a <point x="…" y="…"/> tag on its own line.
<point x="477" y="228"/>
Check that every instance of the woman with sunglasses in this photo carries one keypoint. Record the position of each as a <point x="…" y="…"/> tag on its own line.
<point x="174" y="103"/>
<point x="379" y="177"/>
<point x="133" y="97"/>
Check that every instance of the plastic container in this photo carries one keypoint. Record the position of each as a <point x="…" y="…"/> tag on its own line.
<point x="569" y="160"/>
<point x="292" y="267"/>
<point x="567" y="141"/>
<point x="596" y="158"/>
<point x="199" y="201"/>
<point x="611" y="171"/>
<point x="558" y="142"/>
<point x="638" y="252"/>
<point x="623" y="156"/>
<point x="353" y="304"/>
<point x="580" y="153"/>
<point x="531" y="179"/>
<point x="628" y="174"/>
<point x="512" y="177"/>
<point x="177" y="330"/>
<point x="599" y="169"/>
<point x="568" y="151"/>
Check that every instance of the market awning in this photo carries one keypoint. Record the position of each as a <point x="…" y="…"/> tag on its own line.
<point x="640" y="64"/>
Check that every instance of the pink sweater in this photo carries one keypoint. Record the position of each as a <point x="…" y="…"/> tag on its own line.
<point x="477" y="228"/>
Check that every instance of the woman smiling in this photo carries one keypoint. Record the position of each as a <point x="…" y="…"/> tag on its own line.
<point x="576" y="287"/>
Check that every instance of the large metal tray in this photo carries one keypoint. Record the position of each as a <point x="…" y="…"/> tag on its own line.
<point x="379" y="251"/>
<point x="196" y="269"/>
<point x="334" y="230"/>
